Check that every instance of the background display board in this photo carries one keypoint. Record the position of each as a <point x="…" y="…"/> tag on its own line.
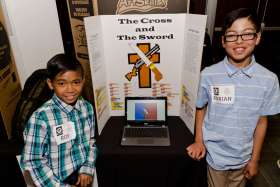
<point x="142" y="6"/>
<point x="145" y="55"/>
<point x="9" y="80"/>
<point x="78" y="9"/>
<point x="34" y="33"/>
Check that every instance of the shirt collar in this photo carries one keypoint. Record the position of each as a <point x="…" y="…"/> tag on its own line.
<point x="232" y="70"/>
<point x="66" y="107"/>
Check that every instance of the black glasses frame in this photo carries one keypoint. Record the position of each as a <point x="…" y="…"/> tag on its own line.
<point x="244" y="37"/>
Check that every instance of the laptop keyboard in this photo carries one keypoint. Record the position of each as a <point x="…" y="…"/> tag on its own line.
<point x="146" y="132"/>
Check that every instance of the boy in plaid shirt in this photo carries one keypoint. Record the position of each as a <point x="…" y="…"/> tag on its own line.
<point x="59" y="140"/>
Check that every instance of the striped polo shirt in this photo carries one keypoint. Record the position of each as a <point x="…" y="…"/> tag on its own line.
<point x="235" y="100"/>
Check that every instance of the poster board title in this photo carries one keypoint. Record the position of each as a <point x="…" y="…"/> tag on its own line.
<point x="150" y="28"/>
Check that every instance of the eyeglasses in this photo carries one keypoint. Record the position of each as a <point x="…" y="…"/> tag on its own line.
<point x="244" y="37"/>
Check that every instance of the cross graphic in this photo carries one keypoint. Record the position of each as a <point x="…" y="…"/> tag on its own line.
<point x="144" y="72"/>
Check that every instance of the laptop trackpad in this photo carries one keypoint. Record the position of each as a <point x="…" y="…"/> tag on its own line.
<point x="145" y="141"/>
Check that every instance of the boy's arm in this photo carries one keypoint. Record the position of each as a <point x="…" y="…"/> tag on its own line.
<point x="200" y="113"/>
<point x="197" y="149"/>
<point x="33" y="157"/>
<point x="89" y="166"/>
<point x="258" y="139"/>
<point x="259" y="136"/>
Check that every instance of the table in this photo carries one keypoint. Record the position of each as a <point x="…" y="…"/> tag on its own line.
<point x="119" y="166"/>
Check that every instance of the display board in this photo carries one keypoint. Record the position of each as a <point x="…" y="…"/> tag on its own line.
<point x="145" y="55"/>
<point x="142" y="6"/>
<point x="34" y="33"/>
<point x="191" y="62"/>
<point x="78" y="9"/>
<point x="9" y="80"/>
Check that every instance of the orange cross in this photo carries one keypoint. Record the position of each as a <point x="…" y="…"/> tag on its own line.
<point x="144" y="72"/>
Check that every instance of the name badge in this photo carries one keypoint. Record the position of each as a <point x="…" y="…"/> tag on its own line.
<point x="64" y="133"/>
<point x="223" y="94"/>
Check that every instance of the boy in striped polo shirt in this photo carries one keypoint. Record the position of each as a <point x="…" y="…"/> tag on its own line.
<point x="59" y="148"/>
<point x="234" y="98"/>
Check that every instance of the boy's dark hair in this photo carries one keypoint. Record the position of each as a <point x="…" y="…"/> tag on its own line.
<point x="61" y="63"/>
<point x="241" y="13"/>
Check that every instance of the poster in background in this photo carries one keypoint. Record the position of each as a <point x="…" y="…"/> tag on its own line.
<point x="78" y="9"/>
<point x="111" y="7"/>
<point x="144" y="55"/>
<point x="10" y="88"/>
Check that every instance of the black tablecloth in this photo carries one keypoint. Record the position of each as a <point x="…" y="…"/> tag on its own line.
<point x="119" y="166"/>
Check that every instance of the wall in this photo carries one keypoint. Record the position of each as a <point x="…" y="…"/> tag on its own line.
<point x="34" y="32"/>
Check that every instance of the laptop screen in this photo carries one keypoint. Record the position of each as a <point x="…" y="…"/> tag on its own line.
<point x="146" y="109"/>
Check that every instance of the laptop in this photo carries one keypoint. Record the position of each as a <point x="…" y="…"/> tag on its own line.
<point x="146" y="122"/>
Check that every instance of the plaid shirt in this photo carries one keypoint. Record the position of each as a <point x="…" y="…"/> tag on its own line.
<point x="48" y="162"/>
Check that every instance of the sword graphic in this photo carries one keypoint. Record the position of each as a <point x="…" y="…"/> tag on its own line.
<point x="144" y="59"/>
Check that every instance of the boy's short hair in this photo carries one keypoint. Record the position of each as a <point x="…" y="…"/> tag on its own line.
<point x="241" y="13"/>
<point x="61" y="63"/>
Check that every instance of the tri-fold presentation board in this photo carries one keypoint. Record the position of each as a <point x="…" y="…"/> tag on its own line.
<point x="145" y="55"/>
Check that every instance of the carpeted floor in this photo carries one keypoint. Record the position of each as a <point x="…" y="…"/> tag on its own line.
<point x="269" y="173"/>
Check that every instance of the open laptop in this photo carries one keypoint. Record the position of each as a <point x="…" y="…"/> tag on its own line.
<point x="146" y="123"/>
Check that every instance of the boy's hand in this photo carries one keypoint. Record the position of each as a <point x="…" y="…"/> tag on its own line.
<point x="251" y="169"/>
<point x="196" y="151"/>
<point x="84" y="180"/>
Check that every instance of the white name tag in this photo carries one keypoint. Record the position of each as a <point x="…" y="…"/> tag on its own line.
<point x="64" y="133"/>
<point x="223" y="94"/>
